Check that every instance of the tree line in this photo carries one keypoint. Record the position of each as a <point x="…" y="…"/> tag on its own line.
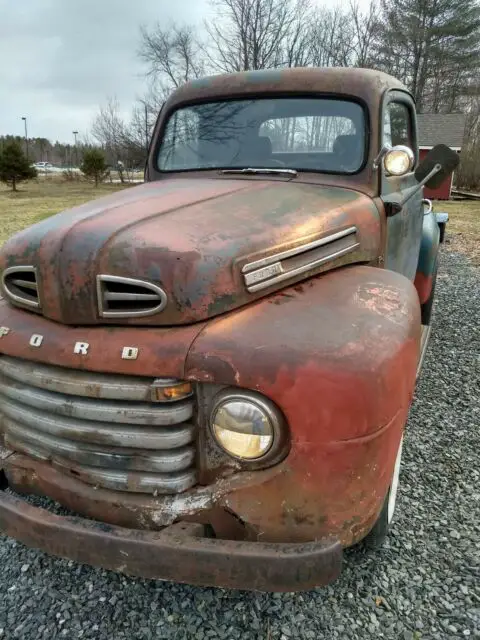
<point x="43" y="150"/>
<point x="433" y="46"/>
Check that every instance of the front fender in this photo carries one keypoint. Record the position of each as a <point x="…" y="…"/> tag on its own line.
<point x="338" y="355"/>
<point x="428" y="255"/>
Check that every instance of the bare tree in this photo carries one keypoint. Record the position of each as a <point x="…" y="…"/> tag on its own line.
<point x="364" y="31"/>
<point x="254" y="34"/>
<point x="173" y="54"/>
<point x="123" y="142"/>
<point x="109" y="129"/>
<point x="331" y="38"/>
<point x="296" y="46"/>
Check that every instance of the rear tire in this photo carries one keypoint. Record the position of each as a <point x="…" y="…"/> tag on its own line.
<point x="427" y="306"/>
<point x="442" y="226"/>
<point x="379" y="531"/>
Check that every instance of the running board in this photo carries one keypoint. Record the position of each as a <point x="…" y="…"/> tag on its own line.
<point x="423" y="346"/>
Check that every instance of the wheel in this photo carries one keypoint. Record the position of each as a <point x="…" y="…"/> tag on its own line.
<point x="442" y="226"/>
<point x="380" y="529"/>
<point x="427" y="306"/>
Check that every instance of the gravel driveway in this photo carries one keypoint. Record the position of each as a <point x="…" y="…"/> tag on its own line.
<point x="425" y="583"/>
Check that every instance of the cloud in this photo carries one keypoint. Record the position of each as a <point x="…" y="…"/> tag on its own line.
<point x="62" y="58"/>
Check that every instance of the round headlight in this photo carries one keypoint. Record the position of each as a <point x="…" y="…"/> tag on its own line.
<point x="243" y="427"/>
<point x="399" y="161"/>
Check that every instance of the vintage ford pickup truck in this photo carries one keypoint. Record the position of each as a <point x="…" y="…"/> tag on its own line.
<point x="212" y="371"/>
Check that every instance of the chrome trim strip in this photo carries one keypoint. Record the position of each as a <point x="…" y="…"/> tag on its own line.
<point x="111" y="411"/>
<point x="160" y="293"/>
<point x="41" y="445"/>
<point x="18" y="282"/>
<point x="76" y="382"/>
<point x="296" y="272"/>
<point x="135" y="481"/>
<point x="102" y="433"/>
<point x="264" y="262"/>
<point x="265" y="273"/>
<point x="13" y="296"/>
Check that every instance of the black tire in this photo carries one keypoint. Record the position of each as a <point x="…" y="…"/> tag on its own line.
<point x="379" y="531"/>
<point x="376" y="537"/>
<point x="442" y="227"/>
<point x="427" y="306"/>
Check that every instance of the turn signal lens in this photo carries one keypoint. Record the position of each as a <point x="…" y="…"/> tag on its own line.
<point x="242" y="428"/>
<point x="162" y="391"/>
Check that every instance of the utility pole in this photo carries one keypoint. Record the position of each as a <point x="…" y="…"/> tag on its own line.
<point x="26" y="135"/>
<point x="75" y="133"/>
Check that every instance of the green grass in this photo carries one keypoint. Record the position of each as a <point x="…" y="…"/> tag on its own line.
<point x="42" y="198"/>
<point x="39" y="199"/>
<point x="463" y="227"/>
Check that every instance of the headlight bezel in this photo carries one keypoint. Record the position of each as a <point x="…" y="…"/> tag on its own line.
<point x="280" y="435"/>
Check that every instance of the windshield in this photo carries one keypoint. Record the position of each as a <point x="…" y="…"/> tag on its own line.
<point x="313" y="134"/>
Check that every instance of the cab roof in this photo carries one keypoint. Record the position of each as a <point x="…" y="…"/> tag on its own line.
<point x="365" y="84"/>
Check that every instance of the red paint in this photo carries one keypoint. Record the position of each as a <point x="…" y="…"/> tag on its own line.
<point x="344" y="382"/>
<point x="423" y="284"/>
<point x="162" y="352"/>
<point x="190" y="236"/>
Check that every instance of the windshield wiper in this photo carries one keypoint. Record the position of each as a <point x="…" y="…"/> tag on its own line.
<point x="252" y="170"/>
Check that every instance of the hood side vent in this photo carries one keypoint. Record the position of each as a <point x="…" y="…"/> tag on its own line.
<point x="128" y="298"/>
<point x="20" y="286"/>
<point x="288" y="264"/>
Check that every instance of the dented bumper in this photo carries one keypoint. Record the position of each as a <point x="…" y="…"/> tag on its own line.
<point x="343" y="378"/>
<point x="180" y="552"/>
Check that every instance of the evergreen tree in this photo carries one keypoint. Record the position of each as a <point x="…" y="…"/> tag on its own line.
<point x="14" y="166"/>
<point x="432" y="45"/>
<point x="94" y="165"/>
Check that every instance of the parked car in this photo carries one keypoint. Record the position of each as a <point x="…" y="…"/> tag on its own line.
<point x="43" y="166"/>
<point x="213" y="371"/>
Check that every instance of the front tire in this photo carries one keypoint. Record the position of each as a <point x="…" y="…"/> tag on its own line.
<point x="427" y="306"/>
<point x="377" y="535"/>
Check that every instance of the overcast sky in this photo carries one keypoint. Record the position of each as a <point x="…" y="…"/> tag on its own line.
<point x="60" y="59"/>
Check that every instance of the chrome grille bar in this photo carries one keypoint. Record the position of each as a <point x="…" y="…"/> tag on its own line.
<point x="105" y="429"/>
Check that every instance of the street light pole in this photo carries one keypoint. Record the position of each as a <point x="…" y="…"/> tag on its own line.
<point x="75" y="133"/>
<point x="26" y="135"/>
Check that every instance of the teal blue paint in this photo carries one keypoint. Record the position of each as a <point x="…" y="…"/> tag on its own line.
<point x="429" y="245"/>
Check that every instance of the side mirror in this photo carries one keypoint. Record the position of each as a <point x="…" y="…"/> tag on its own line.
<point x="435" y="168"/>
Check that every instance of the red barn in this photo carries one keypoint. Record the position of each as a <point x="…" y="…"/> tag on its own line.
<point x="436" y="128"/>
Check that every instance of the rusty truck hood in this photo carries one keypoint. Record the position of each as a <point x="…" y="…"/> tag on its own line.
<point x="191" y="237"/>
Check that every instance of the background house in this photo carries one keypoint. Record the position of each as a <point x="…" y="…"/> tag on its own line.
<point x="436" y="128"/>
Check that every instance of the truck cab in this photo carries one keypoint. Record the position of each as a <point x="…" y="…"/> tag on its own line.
<point x="213" y="370"/>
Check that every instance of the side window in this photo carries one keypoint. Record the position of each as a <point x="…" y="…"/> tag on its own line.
<point x="180" y="141"/>
<point x="398" y="125"/>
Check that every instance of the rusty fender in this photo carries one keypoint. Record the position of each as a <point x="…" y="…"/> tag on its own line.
<point x="427" y="261"/>
<point x="338" y="355"/>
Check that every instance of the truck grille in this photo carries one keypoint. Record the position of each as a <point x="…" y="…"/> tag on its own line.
<point x="21" y="287"/>
<point x="104" y="429"/>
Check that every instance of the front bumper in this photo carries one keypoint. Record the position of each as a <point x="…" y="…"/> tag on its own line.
<point x="180" y="552"/>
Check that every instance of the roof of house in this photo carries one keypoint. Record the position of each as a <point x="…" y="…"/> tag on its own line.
<point x="437" y="128"/>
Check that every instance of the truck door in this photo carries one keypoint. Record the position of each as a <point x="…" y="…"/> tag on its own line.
<point x="404" y="228"/>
